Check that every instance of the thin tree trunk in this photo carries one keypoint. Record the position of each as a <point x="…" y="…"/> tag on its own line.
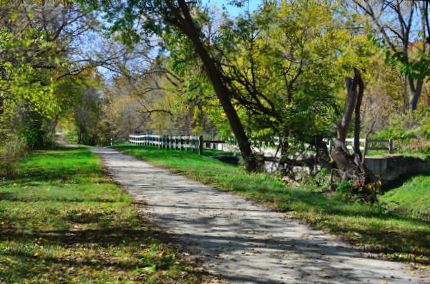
<point x="405" y="94"/>
<point x="415" y="93"/>
<point x="357" y="121"/>
<point x="283" y="161"/>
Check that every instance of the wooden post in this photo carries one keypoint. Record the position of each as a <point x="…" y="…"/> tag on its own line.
<point x="365" y="147"/>
<point x="194" y="144"/>
<point x="200" y="145"/>
<point x="390" y="146"/>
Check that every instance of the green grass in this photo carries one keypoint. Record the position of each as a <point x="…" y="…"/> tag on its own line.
<point x="398" y="236"/>
<point x="412" y="197"/>
<point x="63" y="221"/>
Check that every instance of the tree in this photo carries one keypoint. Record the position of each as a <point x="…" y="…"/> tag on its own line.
<point x="283" y="60"/>
<point x="405" y="33"/>
<point x="163" y="16"/>
<point x="350" y="164"/>
<point x="36" y="40"/>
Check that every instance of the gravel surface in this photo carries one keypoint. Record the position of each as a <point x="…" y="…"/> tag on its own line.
<point x="243" y="242"/>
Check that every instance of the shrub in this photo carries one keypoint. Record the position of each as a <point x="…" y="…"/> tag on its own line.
<point x="366" y="193"/>
<point x="411" y="131"/>
<point x="10" y="152"/>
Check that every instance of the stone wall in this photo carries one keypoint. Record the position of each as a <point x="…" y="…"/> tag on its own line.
<point x="392" y="169"/>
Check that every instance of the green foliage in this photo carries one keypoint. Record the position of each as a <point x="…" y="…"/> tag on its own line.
<point x="344" y="187"/>
<point x="364" y="193"/>
<point x="35" y="56"/>
<point x="10" y="152"/>
<point x="406" y="126"/>
<point x="280" y="59"/>
<point x="410" y="131"/>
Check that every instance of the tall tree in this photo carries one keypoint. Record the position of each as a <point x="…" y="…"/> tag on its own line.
<point x="161" y="16"/>
<point x="404" y="30"/>
<point x="37" y="41"/>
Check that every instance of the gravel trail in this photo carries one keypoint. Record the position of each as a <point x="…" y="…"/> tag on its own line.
<point x="243" y="242"/>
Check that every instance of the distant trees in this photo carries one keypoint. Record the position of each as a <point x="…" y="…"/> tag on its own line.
<point x="36" y="40"/>
<point x="403" y="29"/>
<point x="179" y="17"/>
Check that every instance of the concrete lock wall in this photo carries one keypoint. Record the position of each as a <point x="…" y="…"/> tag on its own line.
<point x="393" y="168"/>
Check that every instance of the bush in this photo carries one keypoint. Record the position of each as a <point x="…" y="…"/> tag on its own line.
<point x="366" y="193"/>
<point x="410" y="131"/>
<point x="344" y="187"/>
<point x="10" y="153"/>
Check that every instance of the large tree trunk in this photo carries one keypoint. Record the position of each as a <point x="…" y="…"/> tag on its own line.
<point x="322" y="156"/>
<point x="187" y="26"/>
<point x="351" y="165"/>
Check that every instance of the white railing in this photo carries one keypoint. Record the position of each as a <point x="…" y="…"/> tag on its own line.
<point x="368" y="144"/>
<point x="193" y="143"/>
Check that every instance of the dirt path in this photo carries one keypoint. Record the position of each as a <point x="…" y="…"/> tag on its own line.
<point x="243" y="242"/>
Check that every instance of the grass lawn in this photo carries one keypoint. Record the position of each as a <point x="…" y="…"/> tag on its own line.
<point x="374" y="228"/>
<point x="412" y="197"/>
<point x="63" y="221"/>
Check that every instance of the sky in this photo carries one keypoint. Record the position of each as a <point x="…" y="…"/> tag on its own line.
<point x="231" y="9"/>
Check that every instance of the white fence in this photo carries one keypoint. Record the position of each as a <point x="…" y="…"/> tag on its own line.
<point x="368" y="144"/>
<point x="193" y="143"/>
<point x="196" y="143"/>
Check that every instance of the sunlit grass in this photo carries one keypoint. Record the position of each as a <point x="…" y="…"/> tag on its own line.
<point x="63" y="221"/>
<point x="413" y="197"/>
<point x="372" y="227"/>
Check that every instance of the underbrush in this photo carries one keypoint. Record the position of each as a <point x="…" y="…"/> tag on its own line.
<point x="11" y="150"/>
<point x="410" y="133"/>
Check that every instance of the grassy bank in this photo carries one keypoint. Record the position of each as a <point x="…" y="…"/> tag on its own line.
<point x="63" y="221"/>
<point x="399" y="236"/>
<point x="412" y="197"/>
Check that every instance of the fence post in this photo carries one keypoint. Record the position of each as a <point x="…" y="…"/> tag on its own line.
<point x="365" y="147"/>
<point x="200" y="145"/>
<point x="193" y="143"/>
<point x="390" y="146"/>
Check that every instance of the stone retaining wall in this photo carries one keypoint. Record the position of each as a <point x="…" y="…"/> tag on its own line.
<point x="394" y="168"/>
